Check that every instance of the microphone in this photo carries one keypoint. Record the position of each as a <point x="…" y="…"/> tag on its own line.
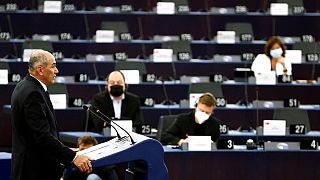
<point x="87" y="108"/>
<point x="99" y="112"/>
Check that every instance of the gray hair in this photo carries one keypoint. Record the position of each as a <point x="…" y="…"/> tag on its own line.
<point x="38" y="57"/>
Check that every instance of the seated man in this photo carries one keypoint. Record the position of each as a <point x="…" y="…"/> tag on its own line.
<point x="116" y="102"/>
<point x="195" y="123"/>
<point x="99" y="173"/>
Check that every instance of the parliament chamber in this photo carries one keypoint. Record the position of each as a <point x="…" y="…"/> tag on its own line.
<point x="71" y="35"/>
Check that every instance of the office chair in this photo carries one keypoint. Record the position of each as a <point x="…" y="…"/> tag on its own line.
<point x="292" y="3"/>
<point x="164" y="123"/>
<point x="307" y="47"/>
<point x="5" y="65"/>
<point x="36" y="44"/>
<point x="117" y="26"/>
<point x="178" y="47"/>
<point x="213" y="88"/>
<point x="58" y="88"/>
<point x="293" y="116"/>
<point x="178" y="2"/>
<point x="239" y="28"/>
<point x="131" y="65"/>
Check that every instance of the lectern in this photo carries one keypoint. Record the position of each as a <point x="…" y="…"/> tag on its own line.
<point x="122" y="150"/>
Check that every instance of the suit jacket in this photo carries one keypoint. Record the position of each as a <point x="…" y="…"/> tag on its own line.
<point x="185" y="125"/>
<point x="37" y="152"/>
<point x="130" y="109"/>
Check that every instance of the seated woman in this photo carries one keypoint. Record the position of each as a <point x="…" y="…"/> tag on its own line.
<point x="273" y="59"/>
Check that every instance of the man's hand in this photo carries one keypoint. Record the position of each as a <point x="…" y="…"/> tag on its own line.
<point x="83" y="163"/>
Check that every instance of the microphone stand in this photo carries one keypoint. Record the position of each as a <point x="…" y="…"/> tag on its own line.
<point x="105" y="116"/>
<point x="94" y="113"/>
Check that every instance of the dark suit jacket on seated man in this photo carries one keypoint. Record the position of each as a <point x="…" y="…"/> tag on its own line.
<point x="37" y="152"/>
<point x="196" y="123"/>
<point x="116" y="102"/>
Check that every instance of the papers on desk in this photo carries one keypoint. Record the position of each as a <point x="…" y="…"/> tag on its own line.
<point x="274" y="127"/>
<point x="199" y="143"/>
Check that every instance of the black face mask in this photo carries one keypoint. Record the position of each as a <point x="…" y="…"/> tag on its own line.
<point x="116" y="90"/>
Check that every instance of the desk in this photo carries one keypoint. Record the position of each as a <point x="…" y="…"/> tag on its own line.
<point x="243" y="164"/>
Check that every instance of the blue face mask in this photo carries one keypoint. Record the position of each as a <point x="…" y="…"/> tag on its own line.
<point x="276" y="53"/>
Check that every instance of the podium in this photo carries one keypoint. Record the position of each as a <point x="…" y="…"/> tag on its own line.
<point x="122" y="150"/>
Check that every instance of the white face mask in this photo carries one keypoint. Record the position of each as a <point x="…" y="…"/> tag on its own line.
<point x="276" y="53"/>
<point x="201" y="116"/>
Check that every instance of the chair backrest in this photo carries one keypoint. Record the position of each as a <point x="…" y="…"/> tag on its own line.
<point x="5" y="65"/>
<point x="307" y="47"/>
<point x="177" y="46"/>
<point x="293" y="116"/>
<point x="117" y="26"/>
<point x="178" y="2"/>
<point x="36" y="44"/>
<point x="292" y="3"/>
<point x="165" y="122"/>
<point x="58" y="88"/>
<point x="131" y="65"/>
<point x="213" y="88"/>
<point x="240" y="28"/>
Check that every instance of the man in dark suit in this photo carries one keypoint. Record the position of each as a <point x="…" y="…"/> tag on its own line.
<point x="37" y="152"/>
<point x="196" y="123"/>
<point x="116" y="102"/>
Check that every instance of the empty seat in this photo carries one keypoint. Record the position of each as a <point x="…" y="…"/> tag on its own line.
<point x="36" y="44"/>
<point x="213" y="88"/>
<point x="165" y="122"/>
<point x="293" y="116"/>
<point x="239" y="28"/>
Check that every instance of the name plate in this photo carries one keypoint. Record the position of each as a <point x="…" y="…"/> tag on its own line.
<point x="75" y="102"/>
<point x="104" y="36"/>
<point x="247" y="57"/>
<point x="144" y="129"/>
<point x="246" y="37"/>
<point x="312" y="57"/>
<point x="223" y="129"/>
<point x="225" y="144"/>
<point x="309" y="144"/>
<point x="162" y="55"/>
<point x="279" y="9"/>
<point x="292" y="103"/>
<point x="186" y="37"/>
<point x="52" y="6"/>
<point x="58" y="55"/>
<point x="307" y="38"/>
<point x="221" y="102"/>
<point x="183" y="9"/>
<point x="65" y="36"/>
<point x="59" y="101"/>
<point x="218" y="78"/>
<point x="126" y="8"/>
<point x="226" y="37"/>
<point x="14" y="77"/>
<point x="5" y="36"/>
<point x="149" y="77"/>
<point x="184" y="56"/>
<point x="125" y="37"/>
<point x="125" y="124"/>
<point x="11" y="7"/>
<point x="241" y="9"/>
<point x="81" y="77"/>
<point x="297" y="129"/>
<point x="4" y="76"/>
<point x="298" y="10"/>
<point x="148" y="102"/>
<point x="69" y="7"/>
<point x="199" y="143"/>
<point x="120" y="56"/>
<point x="165" y="8"/>
<point x="274" y="127"/>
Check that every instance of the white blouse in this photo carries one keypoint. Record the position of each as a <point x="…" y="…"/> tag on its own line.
<point x="262" y="63"/>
